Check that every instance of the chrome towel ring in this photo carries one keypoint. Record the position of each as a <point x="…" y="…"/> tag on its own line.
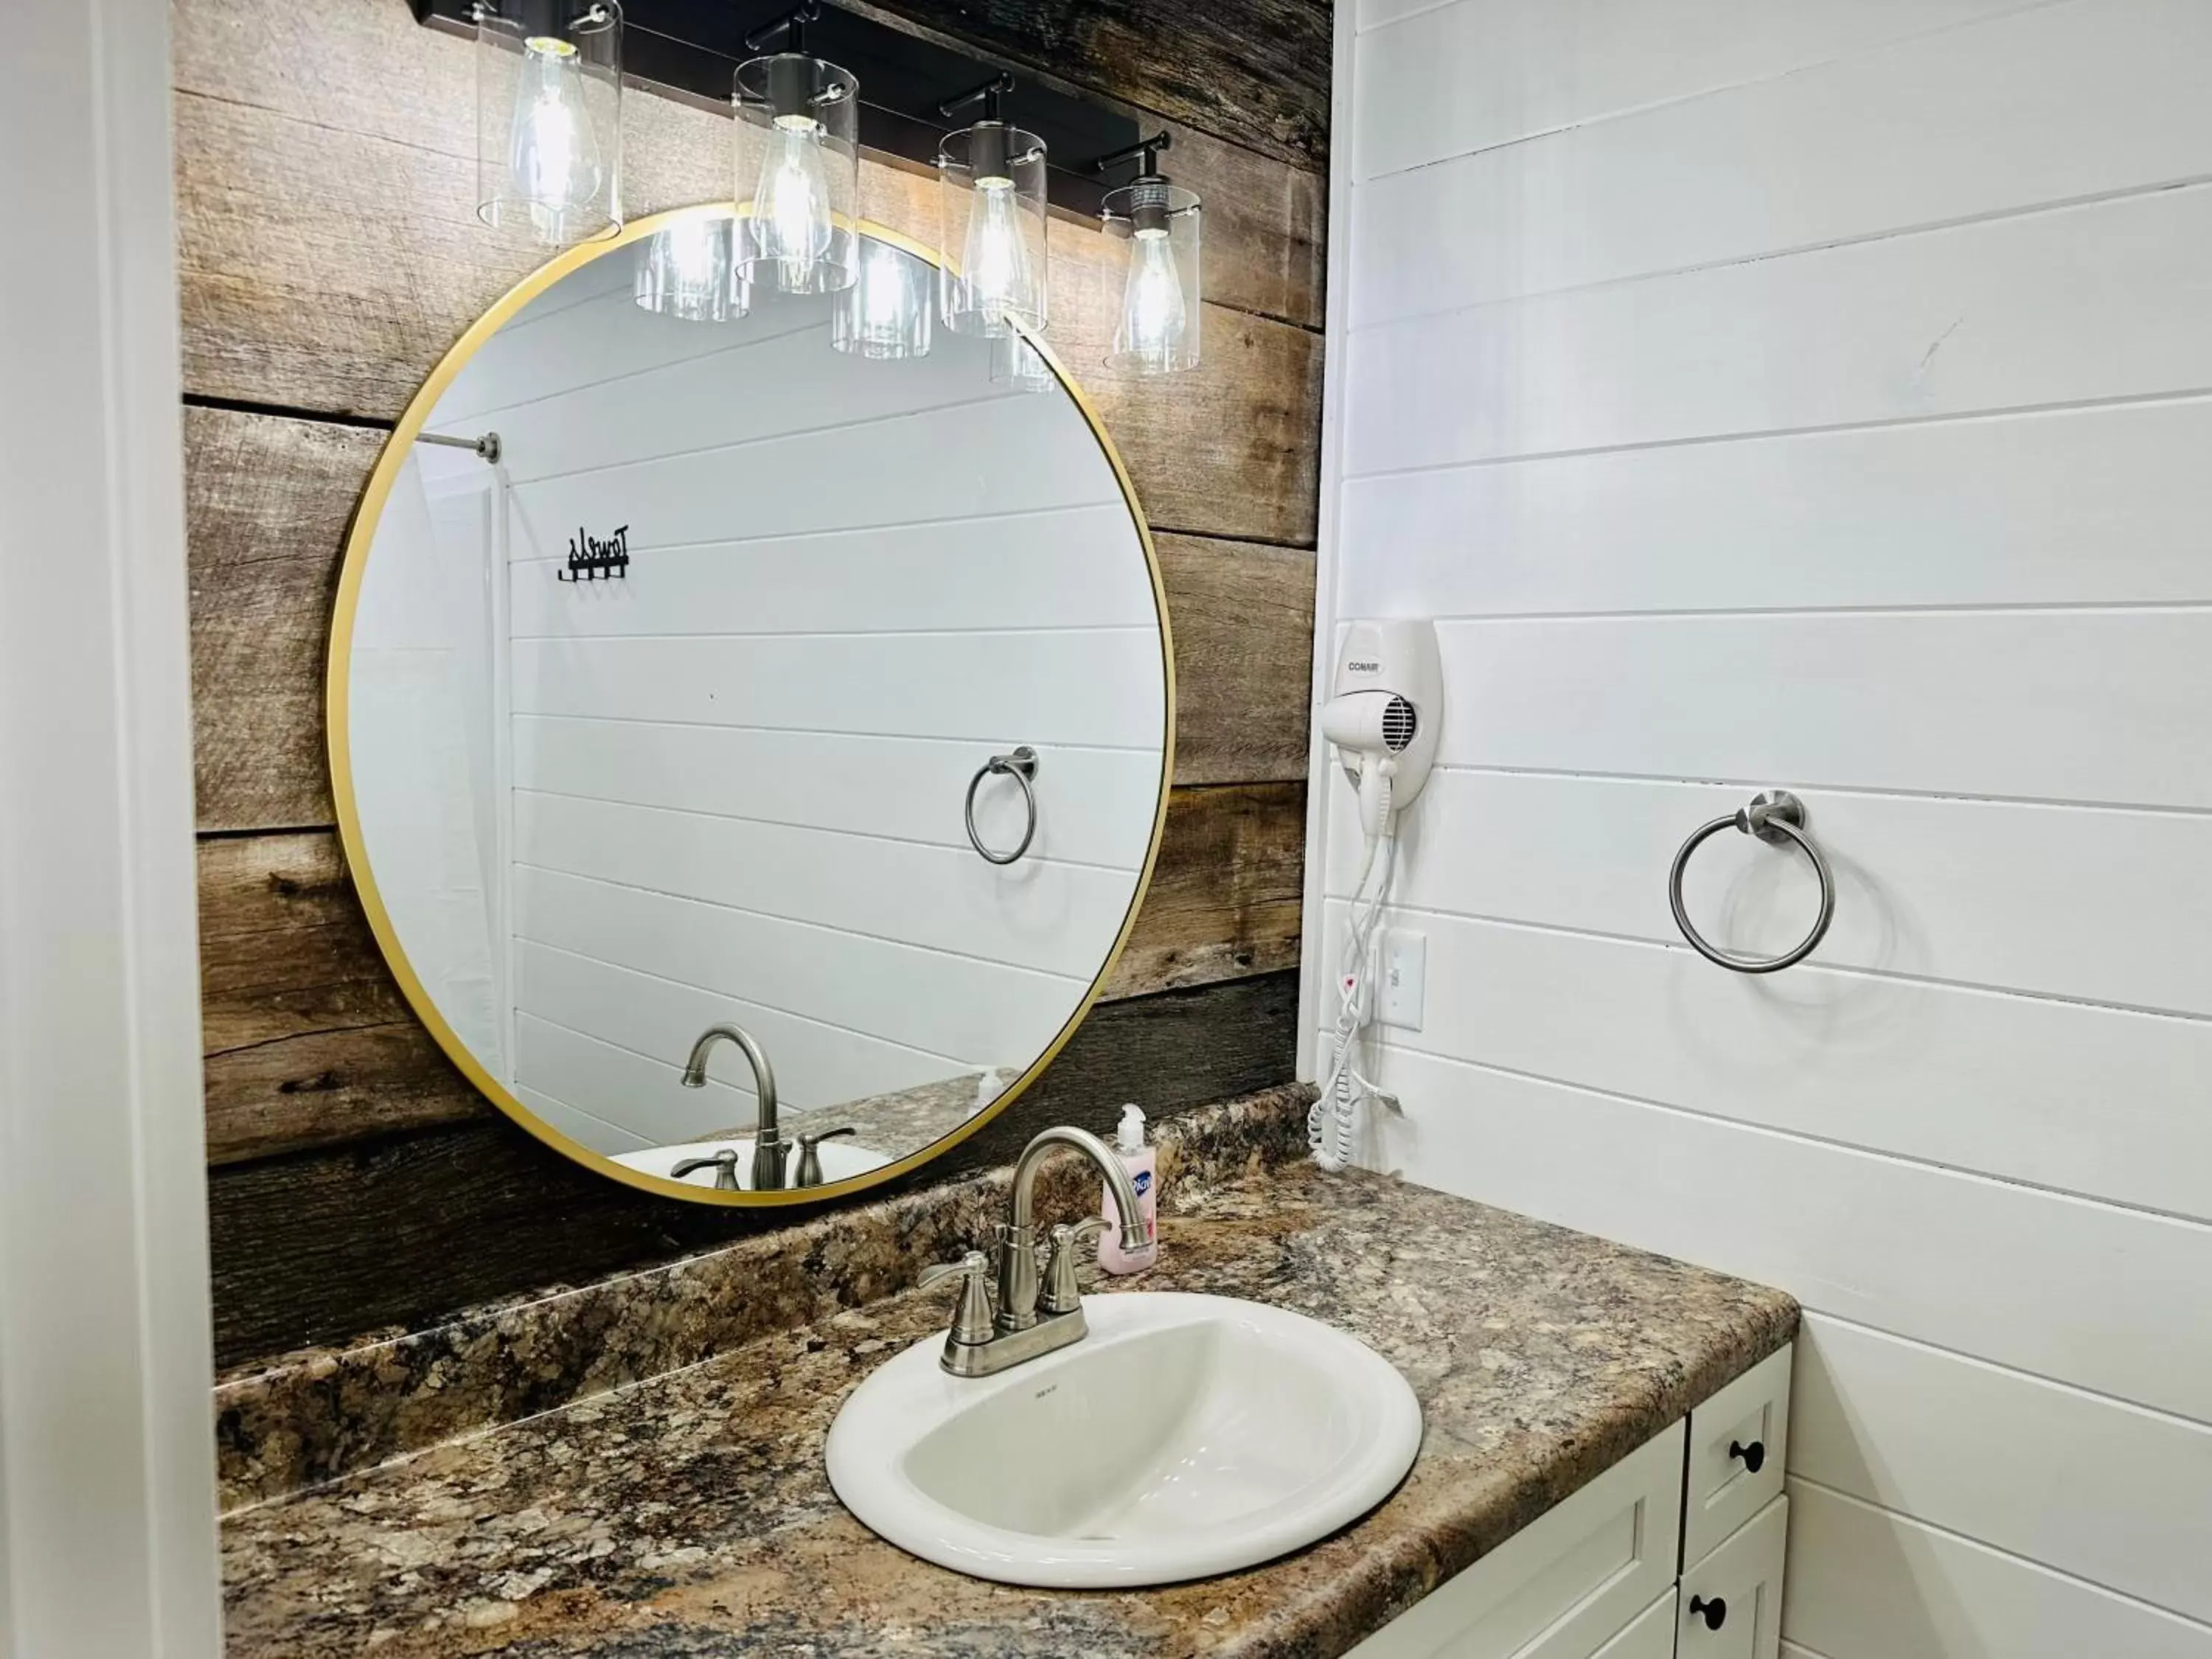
<point x="1777" y="817"/>
<point x="1022" y="767"/>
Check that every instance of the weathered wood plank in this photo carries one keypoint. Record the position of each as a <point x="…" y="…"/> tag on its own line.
<point x="267" y="503"/>
<point x="326" y="1246"/>
<point x="270" y="498"/>
<point x="309" y="1042"/>
<point x="1254" y="71"/>
<point x="1225" y="899"/>
<point x="1243" y="617"/>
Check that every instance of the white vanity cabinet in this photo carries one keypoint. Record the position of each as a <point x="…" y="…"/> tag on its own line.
<point x="1673" y="1552"/>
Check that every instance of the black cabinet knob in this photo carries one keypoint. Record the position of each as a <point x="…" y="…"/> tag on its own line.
<point x="1713" y="1613"/>
<point x="1753" y="1455"/>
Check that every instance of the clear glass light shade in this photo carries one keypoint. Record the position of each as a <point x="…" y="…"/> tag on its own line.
<point x="549" y="118"/>
<point x="991" y="182"/>
<point x="1157" y="330"/>
<point x="1018" y="364"/>
<point x="889" y="310"/>
<point x="685" y="271"/>
<point x="798" y="183"/>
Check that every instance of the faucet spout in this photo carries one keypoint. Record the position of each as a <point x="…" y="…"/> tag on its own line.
<point x="1018" y="1242"/>
<point x="770" y="1149"/>
<point x="1021" y="1213"/>
<point x="982" y="1342"/>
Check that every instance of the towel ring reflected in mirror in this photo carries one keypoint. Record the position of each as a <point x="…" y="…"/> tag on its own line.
<point x="1022" y="767"/>
<point x="1777" y="817"/>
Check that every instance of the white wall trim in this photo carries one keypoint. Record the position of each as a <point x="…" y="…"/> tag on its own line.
<point x="1335" y="321"/>
<point x="107" y="1535"/>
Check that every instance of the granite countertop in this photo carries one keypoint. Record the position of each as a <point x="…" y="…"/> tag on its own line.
<point x="690" y="1515"/>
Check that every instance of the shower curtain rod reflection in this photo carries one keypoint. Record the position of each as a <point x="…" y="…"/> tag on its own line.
<point x="487" y="448"/>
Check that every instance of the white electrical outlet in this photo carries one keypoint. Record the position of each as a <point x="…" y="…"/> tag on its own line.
<point x="1401" y="974"/>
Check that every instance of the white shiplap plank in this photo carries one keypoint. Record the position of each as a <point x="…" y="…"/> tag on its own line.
<point x="793" y="383"/>
<point x="2109" y="1299"/>
<point x="1434" y="80"/>
<point x="1015" y="455"/>
<point x="2112" y="1493"/>
<point x="1102" y="686"/>
<point x="985" y="1012"/>
<point x="2076" y="1098"/>
<point x="2074" y="304"/>
<point x="655" y="1023"/>
<point x="595" y="1132"/>
<point x="565" y="339"/>
<point x="2055" y="103"/>
<point x="2105" y="906"/>
<point x="1866" y="1584"/>
<point x="1053" y="917"/>
<point x="2068" y="507"/>
<point x="2021" y="704"/>
<point x="1032" y="570"/>
<point x="1097" y="806"/>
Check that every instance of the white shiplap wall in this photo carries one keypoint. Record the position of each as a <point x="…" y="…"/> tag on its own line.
<point x="737" y="775"/>
<point x="1820" y="395"/>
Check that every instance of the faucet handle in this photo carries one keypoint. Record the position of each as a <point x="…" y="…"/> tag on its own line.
<point x="971" y="1324"/>
<point x="809" y="1161"/>
<point x="1060" y="1294"/>
<point x="726" y="1169"/>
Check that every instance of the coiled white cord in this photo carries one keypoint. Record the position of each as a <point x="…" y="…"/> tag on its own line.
<point x="1333" y="1121"/>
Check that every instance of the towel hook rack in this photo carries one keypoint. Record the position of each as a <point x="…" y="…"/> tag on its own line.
<point x="1777" y="818"/>
<point x="1021" y="766"/>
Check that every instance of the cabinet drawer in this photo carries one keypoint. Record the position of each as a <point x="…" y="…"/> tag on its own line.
<point x="1732" y="1599"/>
<point x="1566" y="1585"/>
<point x="1652" y="1635"/>
<point x="1746" y="1423"/>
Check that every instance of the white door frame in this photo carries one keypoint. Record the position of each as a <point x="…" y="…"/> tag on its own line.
<point x="107" y="1537"/>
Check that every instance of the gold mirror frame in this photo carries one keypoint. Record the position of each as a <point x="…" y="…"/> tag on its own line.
<point x="360" y="538"/>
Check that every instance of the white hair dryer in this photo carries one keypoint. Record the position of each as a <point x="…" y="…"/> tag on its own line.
<point x="1384" y="714"/>
<point x="1383" y="719"/>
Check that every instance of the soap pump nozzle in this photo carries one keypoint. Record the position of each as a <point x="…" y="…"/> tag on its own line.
<point x="1130" y="1136"/>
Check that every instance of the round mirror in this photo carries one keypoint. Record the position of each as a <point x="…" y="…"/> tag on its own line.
<point x="750" y="716"/>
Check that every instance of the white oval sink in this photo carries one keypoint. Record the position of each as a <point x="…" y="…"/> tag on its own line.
<point x="1185" y="1436"/>
<point x="841" y="1160"/>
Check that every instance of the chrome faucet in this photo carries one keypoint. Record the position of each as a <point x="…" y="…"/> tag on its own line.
<point x="1038" y="1309"/>
<point x="770" y="1149"/>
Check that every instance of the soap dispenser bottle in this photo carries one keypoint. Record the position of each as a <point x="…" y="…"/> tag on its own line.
<point x="1142" y="1163"/>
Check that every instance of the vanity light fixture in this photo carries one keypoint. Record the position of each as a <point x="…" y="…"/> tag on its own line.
<point x="992" y="176"/>
<point x="1157" y="332"/>
<point x="548" y="117"/>
<point x="798" y="160"/>
<point x="889" y="310"/>
<point x="685" y="271"/>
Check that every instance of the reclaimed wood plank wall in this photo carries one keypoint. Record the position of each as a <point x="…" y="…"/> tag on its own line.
<point x="329" y="257"/>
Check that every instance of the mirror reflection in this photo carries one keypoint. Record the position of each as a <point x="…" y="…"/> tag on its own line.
<point x="750" y="773"/>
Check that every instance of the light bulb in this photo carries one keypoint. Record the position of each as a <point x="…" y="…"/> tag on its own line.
<point x="994" y="263"/>
<point x="886" y="312"/>
<point x="553" y="156"/>
<point x="1151" y="305"/>
<point x="685" y="271"/>
<point x="791" y="208"/>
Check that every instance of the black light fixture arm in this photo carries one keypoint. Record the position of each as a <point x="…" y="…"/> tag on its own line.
<point x="987" y="96"/>
<point x="1145" y="153"/>
<point x="792" y="25"/>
